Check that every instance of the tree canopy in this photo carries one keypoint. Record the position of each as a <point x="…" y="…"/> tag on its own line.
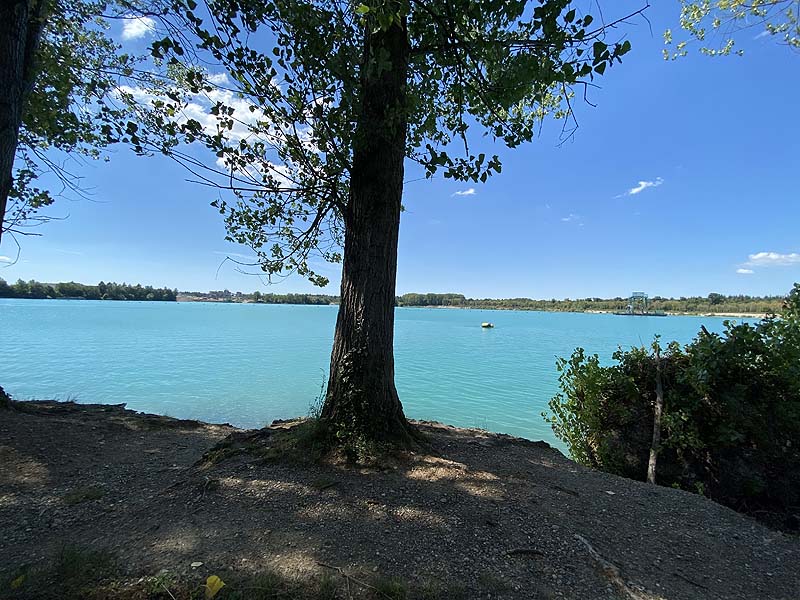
<point x="283" y="99"/>
<point x="715" y="23"/>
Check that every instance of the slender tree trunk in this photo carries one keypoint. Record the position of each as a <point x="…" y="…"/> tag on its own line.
<point x="21" y="24"/>
<point x="658" y="410"/>
<point x="362" y="402"/>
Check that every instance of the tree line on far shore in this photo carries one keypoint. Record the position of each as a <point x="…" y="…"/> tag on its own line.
<point x="228" y="296"/>
<point x="102" y="291"/>
<point x="697" y="304"/>
<point x="122" y="291"/>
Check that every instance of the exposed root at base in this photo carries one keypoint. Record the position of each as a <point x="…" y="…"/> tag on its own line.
<point x="315" y="440"/>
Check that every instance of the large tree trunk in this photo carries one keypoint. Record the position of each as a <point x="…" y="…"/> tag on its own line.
<point x="21" y="24"/>
<point x="361" y="402"/>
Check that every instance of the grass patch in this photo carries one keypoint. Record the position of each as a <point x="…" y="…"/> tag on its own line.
<point x="395" y="588"/>
<point x="432" y="589"/>
<point x="160" y="583"/>
<point x="83" y="494"/>
<point x="74" y="565"/>
<point x="268" y="585"/>
<point x="492" y="583"/>
<point x="391" y="587"/>
<point x="74" y="572"/>
<point x="81" y="574"/>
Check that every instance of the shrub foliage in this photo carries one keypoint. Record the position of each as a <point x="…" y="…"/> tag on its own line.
<point x="731" y="420"/>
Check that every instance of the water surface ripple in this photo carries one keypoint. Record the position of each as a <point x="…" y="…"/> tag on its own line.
<point x="248" y="364"/>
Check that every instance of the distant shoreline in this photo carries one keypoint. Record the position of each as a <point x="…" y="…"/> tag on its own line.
<point x="591" y="311"/>
<point x="742" y="315"/>
<point x="677" y="313"/>
<point x="713" y="305"/>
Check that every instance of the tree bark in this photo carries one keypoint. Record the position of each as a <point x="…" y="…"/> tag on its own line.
<point x="361" y="401"/>
<point x="21" y="23"/>
<point x="658" y="410"/>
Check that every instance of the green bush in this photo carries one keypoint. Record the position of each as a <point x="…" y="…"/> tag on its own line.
<point x="731" y="420"/>
<point x="5" y="399"/>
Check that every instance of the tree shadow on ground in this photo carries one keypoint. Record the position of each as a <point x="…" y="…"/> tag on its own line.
<point x="474" y="515"/>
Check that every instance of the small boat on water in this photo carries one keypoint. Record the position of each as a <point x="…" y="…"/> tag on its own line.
<point x="487" y="325"/>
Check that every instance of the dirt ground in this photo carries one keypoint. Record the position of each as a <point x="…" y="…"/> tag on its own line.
<point x="476" y="515"/>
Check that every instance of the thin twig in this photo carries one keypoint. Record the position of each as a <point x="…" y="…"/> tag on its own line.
<point x="166" y="589"/>
<point x="350" y="577"/>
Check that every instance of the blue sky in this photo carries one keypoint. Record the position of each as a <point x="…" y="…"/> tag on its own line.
<point x="716" y="141"/>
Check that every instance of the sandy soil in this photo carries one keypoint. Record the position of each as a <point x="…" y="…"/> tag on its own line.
<point x="482" y="515"/>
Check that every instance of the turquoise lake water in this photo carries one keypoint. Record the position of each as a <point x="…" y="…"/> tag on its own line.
<point x="248" y="364"/>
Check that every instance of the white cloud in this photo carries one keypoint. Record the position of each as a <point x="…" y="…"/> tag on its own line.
<point x="467" y="192"/>
<point x="134" y="28"/>
<point x="744" y="271"/>
<point x="198" y="108"/>
<point x="219" y="78"/>
<point x="643" y="185"/>
<point x="5" y="259"/>
<point x="571" y="218"/>
<point x="246" y="124"/>
<point x="772" y="259"/>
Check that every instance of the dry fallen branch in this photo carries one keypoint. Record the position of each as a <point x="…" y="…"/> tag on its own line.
<point x="349" y="578"/>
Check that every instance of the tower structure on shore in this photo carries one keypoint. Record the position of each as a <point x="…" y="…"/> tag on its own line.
<point x="637" y="303"/>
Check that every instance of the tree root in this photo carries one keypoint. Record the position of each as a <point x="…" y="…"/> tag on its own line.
<point x="629" y="589"/>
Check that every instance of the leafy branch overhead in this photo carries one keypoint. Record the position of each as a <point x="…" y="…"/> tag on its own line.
<point x="72" y="104"/>
<point x="284" y="95"/>
<point x="714" y="23"/>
